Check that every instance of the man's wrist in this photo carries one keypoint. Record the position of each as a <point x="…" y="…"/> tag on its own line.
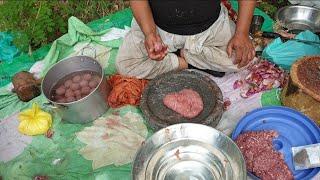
<point x="150" y="32"/>
<point x="242" y="33"/>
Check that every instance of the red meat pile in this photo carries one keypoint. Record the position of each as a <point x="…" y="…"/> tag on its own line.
<point x="186" y="102"/>
<point x="261" y="158"/>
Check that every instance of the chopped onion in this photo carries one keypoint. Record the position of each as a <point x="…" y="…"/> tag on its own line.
<point x="262" y="76"/>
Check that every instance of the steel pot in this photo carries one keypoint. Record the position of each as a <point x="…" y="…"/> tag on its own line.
<point x="83" y="110"/>
<point x="297" y="17"/>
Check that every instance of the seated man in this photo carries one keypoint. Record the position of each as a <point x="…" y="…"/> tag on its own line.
<point x="200" y="30"/>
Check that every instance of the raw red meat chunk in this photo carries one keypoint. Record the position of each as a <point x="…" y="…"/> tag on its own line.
<point x="186" y="102"/>
<point x="261" y="159"/>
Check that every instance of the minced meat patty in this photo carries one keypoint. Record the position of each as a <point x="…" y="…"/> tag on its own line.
<point x="261" y="159"/>
<point x="186" y="102"/>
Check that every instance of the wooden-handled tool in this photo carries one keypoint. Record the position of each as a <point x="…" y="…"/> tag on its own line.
<point x="276" y="35"/>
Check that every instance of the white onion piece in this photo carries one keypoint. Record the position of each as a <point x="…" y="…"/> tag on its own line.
<point x="262" y="76"/>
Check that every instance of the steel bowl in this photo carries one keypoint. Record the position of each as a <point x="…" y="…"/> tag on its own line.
<point x="89" y="107"/>
<point x="189" y="151"/>
<point x="297" y="17"/>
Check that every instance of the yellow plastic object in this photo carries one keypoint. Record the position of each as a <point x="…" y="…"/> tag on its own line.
<point x="34" y="121"/>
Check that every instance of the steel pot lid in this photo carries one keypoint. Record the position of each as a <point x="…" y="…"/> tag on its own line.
<point x="189" y="151"/>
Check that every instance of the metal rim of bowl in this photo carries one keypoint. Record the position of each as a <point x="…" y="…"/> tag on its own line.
<point x="145" y="161"/>
<point x="285" y="7"/>
<point x="277" y="18"/>
<point x="63" y="61"/>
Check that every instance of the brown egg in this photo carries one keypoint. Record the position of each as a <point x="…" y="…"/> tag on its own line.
<point x="85" y="90"/>
<point x="77" y="93"/>
<point x="67" y="83"/>
<point x="75" y="86"/>
<point x="57" y="97"/>
<point x="84" y="83"/>
<point x="61" y="100"/>
<point x="78" y="97"/>
<point x="61" y="90"/>
<point x="93" y="84"/>
<point x="76" y="78"/>
<point x="87" y="76"/>
<point x="97" y="78"/>
<point x="70" y="99"/>
<point x="69" y="93"/>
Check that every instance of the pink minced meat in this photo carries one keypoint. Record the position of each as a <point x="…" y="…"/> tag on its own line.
<point x="261" y="159"/>
<point x="186" y="102"/>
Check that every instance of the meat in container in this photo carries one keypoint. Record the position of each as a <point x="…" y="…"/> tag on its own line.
<point x="87" y="108"/>
<point x="294" y="129"/>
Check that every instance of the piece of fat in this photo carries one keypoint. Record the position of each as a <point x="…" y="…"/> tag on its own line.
<point x="306" y="157"/>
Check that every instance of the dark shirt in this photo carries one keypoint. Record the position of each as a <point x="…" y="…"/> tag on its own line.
<point x="185" y="17"/>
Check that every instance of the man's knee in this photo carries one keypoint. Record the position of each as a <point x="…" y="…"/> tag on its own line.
<point x="122" y="67"/>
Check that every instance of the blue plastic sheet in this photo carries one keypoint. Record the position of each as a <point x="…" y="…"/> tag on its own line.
<point x="285" y="54"/>
<point x="7" y="50"/>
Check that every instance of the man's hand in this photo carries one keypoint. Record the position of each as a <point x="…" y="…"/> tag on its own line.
<point x="243" y="47"/>
<point x="240" y="42"/>
<point x="153" y="43"/>
<point x="155" y="47"/>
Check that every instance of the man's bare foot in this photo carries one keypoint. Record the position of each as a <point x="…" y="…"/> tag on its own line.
<point x="182" y="63"/>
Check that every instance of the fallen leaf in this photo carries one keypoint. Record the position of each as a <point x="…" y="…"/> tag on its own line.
<point x="113" y="139"/>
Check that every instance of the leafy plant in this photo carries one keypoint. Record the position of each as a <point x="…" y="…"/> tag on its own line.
<point x="271" y="6"/>
<point x="35" y="23"/>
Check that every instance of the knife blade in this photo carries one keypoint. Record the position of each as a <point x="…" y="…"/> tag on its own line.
<point x="276" y="35"/>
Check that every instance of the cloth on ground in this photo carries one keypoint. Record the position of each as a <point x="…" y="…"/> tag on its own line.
<point x="206" y="50"/>
<point x="12" y="143"/>
<point x="58" y="157"/>
<point x="232" y="115"/>
<point x="115" y="33"/>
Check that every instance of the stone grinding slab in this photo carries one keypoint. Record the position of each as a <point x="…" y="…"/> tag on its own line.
<point x="159" y="116"/>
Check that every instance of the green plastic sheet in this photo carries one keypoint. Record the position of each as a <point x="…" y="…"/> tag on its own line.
<point x="58" y="157"/>
<point x="285" y="54"/>
<point x="7" y="50"/>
